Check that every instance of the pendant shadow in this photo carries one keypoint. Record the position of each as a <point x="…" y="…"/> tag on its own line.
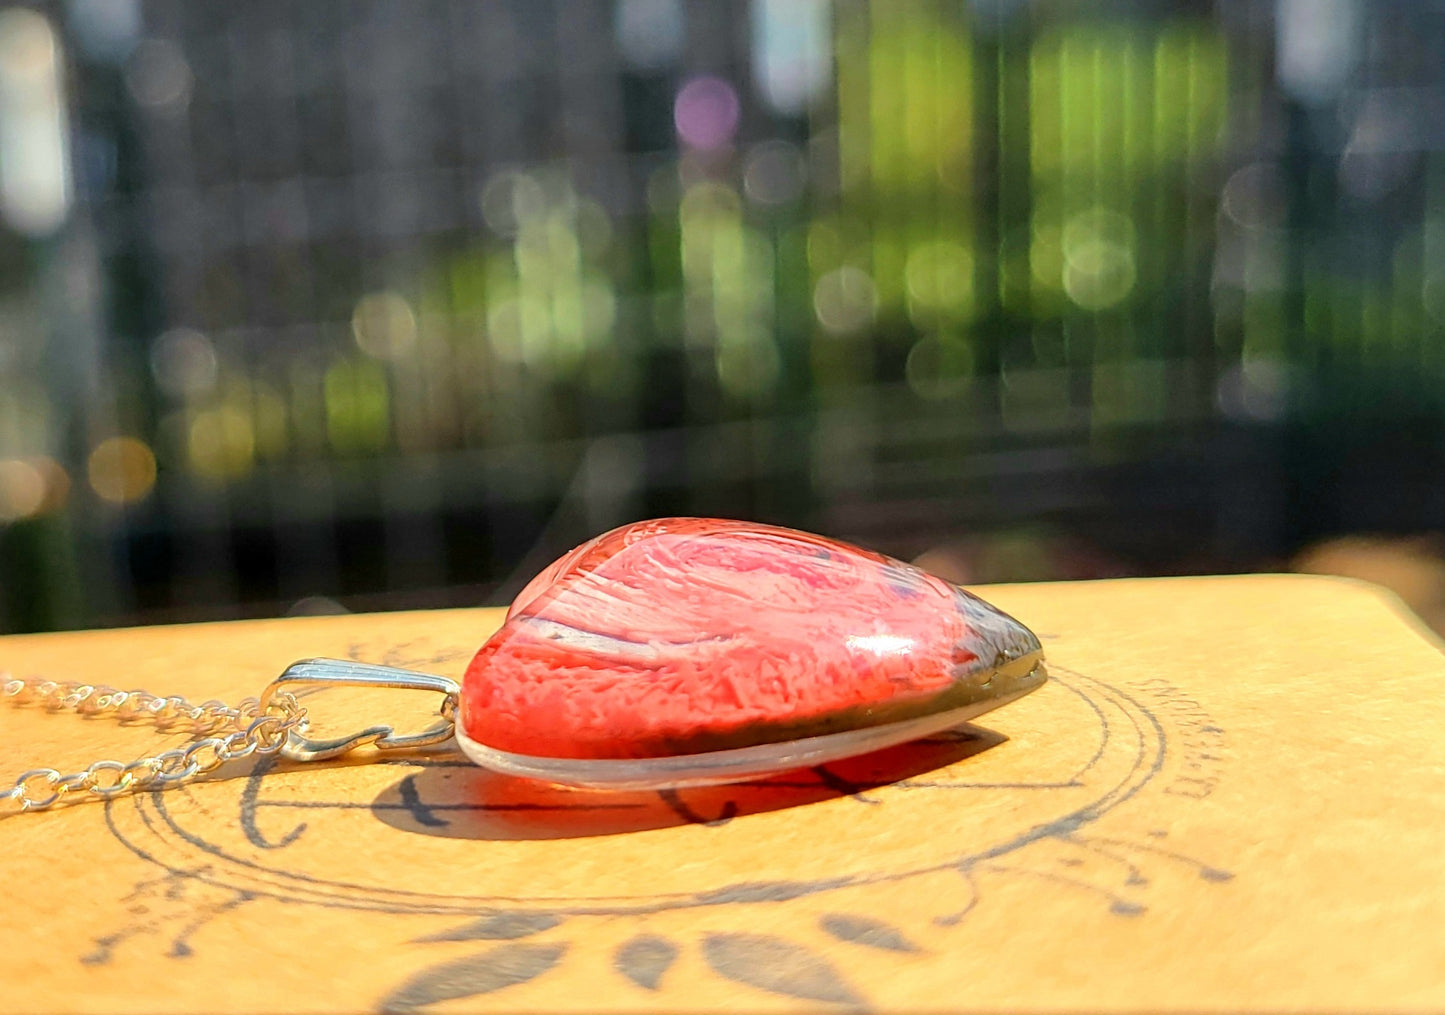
<point x="452" y="798"/>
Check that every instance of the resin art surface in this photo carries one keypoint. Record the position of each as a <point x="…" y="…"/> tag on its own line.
<point x="692" y="650"/>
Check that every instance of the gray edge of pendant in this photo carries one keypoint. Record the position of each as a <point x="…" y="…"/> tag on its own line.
<point x="712" y="768"/>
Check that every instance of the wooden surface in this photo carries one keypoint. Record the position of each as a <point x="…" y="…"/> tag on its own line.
<point x="1227" y="798"/>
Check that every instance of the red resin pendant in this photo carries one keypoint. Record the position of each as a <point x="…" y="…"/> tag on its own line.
<point x="686" y="651"/>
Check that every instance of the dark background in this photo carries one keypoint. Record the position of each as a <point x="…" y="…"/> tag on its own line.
<point x="380" y="305"/>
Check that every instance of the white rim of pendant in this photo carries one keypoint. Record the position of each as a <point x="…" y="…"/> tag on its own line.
<point x="714" y="768"/>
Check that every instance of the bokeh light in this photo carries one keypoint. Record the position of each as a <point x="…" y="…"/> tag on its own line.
<point x="511" y="198"/>
<point x="122" y="470"/>
<point x="384" y="325"/>
<point x="1098" y="249"/>
<point x="31" y="487"/>
<point x="706" y="113"/>
<point x="222" y="443"/>
<point x="775" y="173"/>
<point x="650" y="33"/>
<point x="184" y="363"/>
<point x="844" y="300"/>
<point x="22" y="489"/>
<point x="793" y="50"/>
<point x="939" y="277"/>
<point x="939" y="366"/>
<point x="159" y="77"/>
<point x="35" y="177"/>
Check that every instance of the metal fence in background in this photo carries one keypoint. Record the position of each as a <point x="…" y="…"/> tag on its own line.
<point x="389" y="302"/>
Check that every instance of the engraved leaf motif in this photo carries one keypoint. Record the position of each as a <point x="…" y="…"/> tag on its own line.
<point x="777" y="966"/>
<point x="503" y="966"/>
<point x="644" y="959"/>
<point x="498" y="927"/>
<point x="864" y="930"/>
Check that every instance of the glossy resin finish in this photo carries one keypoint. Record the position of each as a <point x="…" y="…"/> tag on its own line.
<point x="684" y="636"/>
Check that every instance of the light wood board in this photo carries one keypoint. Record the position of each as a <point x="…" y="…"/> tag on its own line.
<point x="1228" y="797"/>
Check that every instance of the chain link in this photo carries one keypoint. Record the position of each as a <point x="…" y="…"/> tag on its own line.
<point x="225" y="732"/>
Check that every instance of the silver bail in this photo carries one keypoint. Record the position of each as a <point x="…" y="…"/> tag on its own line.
<point x="320" y="674"/>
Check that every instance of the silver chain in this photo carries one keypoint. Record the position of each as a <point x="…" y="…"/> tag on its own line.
<point x="227" y="733"/>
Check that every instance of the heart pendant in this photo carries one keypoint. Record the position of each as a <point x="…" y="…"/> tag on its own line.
<point x="691" y="651"/>
<point x="679" y="652"/>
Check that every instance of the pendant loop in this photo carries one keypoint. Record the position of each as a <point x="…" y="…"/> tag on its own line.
<point x="319" y="674"/>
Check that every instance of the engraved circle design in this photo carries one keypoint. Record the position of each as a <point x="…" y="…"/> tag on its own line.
<point x="275" y="834"/>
